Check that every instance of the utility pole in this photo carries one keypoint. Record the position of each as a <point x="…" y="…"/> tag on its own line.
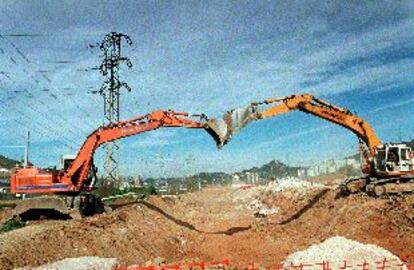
<point x="26" y="151"/>
<point x="111" y="47"/>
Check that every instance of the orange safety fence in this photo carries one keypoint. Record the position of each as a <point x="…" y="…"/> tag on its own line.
<point x="407" y="259"/>
<point x="192" y="265"/>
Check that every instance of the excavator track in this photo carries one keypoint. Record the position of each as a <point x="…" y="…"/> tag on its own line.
<point x="59" y="207"/>
<point x="353" y="185"/>
<point x="378" y="187"/>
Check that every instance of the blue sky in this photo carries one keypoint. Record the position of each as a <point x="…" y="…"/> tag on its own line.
<point x="206" y="56"/>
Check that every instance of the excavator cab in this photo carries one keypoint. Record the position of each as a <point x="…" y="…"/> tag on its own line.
<point x="66" y="161"/>
<point x="392" y="158"/>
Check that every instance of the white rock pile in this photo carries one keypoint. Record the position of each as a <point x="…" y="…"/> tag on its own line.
<point x="79" y="263"/>
<point x="337" y="250"/>
<point x="289" y="183"/>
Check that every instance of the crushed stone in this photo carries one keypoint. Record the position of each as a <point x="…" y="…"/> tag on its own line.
<point x="336" y="250"/>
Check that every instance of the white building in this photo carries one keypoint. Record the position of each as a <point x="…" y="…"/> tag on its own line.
<point x="329" y="166"/>
<point x="252" y="177"/>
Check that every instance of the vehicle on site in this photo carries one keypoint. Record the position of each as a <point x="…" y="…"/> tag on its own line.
<point x="388" y="168"/>
<point x="76" y="176"/>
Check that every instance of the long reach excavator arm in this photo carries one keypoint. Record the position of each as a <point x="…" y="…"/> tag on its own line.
<point x="384" y="166"/>
<point x="320" y="108"/>
<point x="76" y="177"/>
<point x="78" y="171"/>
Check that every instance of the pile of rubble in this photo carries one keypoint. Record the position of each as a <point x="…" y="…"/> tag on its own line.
<point x="339" y="250"/>
<point x="253" y="198"/>
<point x="260" y="209"/>
<point x="290" y="183"/>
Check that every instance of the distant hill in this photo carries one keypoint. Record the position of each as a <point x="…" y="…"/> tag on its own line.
<point x="7" y="163"/>
<point x="274" y="168"/>
<point x="214" y="175"/>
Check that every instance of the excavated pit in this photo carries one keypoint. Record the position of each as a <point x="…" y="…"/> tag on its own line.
<point x="42" y="214"/>
<point x="216" y="224"/>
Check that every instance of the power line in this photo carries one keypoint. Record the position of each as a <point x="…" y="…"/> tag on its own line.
<point x="43" y="154"/>
<point x="36" y="123"/>
<point x="26" y="59"/>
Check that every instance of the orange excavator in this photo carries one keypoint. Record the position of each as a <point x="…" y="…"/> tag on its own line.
<point x="77" y="175"/>
<point x="388" y="168"/>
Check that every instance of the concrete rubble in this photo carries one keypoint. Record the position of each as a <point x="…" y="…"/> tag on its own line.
<point x="253" y="198"/>
<point x="289" y="183"/>
<point x="260" y="209"/>
<point x="336" y="250"/>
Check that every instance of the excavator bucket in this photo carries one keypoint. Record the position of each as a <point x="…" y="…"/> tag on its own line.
<point x="223" y="129"/>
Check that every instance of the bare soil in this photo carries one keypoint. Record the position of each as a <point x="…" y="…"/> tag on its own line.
<point x="215" y="224"/>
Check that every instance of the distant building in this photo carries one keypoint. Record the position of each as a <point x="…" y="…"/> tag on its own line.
<point x="329" y="166"/>
<point x="235" y="180"/>
<point x="302" y="173"/>
<point x="162" y="187"/>
<point x="252" y="177"/>
<point x="136" y="181"/>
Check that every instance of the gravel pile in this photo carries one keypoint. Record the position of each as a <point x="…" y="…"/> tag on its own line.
<point x="336" y="250"/>
<point x="79" y="263"/>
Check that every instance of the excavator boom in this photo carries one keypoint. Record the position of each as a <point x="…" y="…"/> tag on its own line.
<point x="320" y="108"/>
<point x="76" y="177"/>
<point x="77" y="173"/>
<point x="233" y="121"/>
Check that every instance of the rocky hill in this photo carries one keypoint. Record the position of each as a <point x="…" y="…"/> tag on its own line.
<point x="273" y="169"/>
<point x="7" y="163"/>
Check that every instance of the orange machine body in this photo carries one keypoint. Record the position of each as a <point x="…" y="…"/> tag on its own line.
<point x="36" y="180"/>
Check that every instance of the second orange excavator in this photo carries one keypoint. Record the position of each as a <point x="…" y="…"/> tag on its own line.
<point x="77" y="175"/>
<point x="388" y="168"/>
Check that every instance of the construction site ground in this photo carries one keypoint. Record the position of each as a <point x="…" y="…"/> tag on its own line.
<point x="215" y="224"/>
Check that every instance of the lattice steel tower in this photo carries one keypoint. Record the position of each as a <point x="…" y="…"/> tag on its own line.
<point x="110" y="91"/>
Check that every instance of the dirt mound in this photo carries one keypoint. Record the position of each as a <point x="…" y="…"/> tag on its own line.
<point x="134" y="233"/>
